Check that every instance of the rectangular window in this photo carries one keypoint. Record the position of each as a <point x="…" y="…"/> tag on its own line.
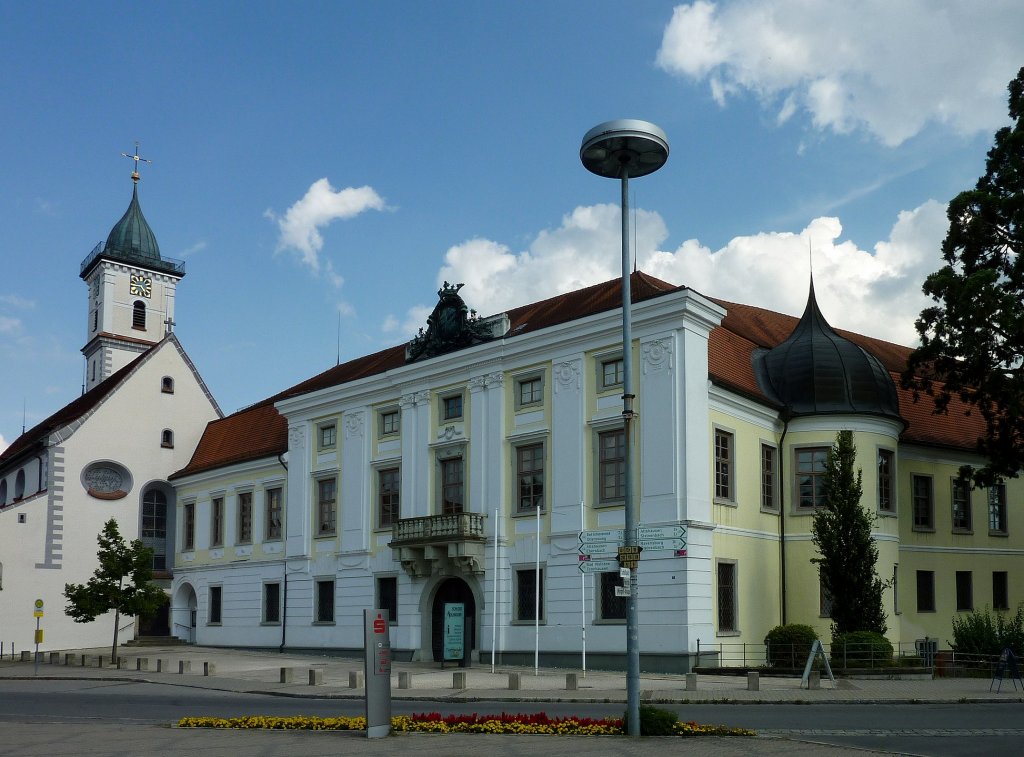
<point x="767" y="477"/>
<point x="326" y="498"/>
<point x="612" y="373"/>
<point x="727" y="597"/>
<point x="189" y="537"/>
<point x="723" y="465"/>
<point x="529" y="604"/>
<point x="997" y="509"/>
<point x="213" y="611"/>
<point x="529" y="392"/>
<point x="964" y="591"/>
<point x="923" y="503"/>
<point x="453" y="486"/>
<point x="390" y="422"/>
<point x="217" y="522"/>
<point x="925" y="591"/>
<point x="274" y="507"/>
<point x="272" y="603"/>
<point x="530" y="477"/>
<point x="1000" y="590"/>
<point x="325" y="601"/>
<point x="810" y="476"/>
<point x="451" y="407"/>
<point x="611" y="606"/>
<point x="244" y="518"/>
<point x="611" y="466"/>
<point x="886" y="502"/>
<point x="328" y="436"/>
<point x="389" y="485"/>
<point x="961" y="499"/>
<point x="387" y="596"/>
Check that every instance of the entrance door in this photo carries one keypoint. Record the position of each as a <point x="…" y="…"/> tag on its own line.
<point x="452" y="590"/>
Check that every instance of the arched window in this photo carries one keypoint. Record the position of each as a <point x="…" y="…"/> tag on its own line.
<point x="139" y="315"/>
<point x="167" y="438"/>
<point x="19" y="485"/>
<point x="167" y="385"/>
<point x="154" y="526"/>
<point x="3" y="492"/>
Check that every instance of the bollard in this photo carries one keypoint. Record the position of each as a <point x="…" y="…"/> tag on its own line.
<point x="209" y="669"/>
<point x="54" y="658"/>
<point x="70" y="658"/>
<point x="163" y="666"/>
<point x="753" y="682"/>
<point x="355" y="679"/>
<point x="123" y="663"/>
<point x="572" y="682"/>
<point x="286" y="675"/>
<point x="99" y="661"/>
<point x="86" y="660"/>
<point x="316" y="677"/>
<point x="691" y="681"/>
<point x="26" y="656"/>
<point x="814" y="680"/>
<point x="184" y="666"/>
<point x="405" y="680"/>
<point x="142" y="663"/>
<point x="515" y="681"/>
<point x="458" y="680"/>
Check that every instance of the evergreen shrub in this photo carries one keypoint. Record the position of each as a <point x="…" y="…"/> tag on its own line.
<point x="789" y="645"/>
<point x="984" y="632"/>
<point x="861" y="649"/>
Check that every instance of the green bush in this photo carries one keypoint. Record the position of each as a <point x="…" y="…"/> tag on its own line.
<point x="986" y="633"/>
<point x="655" y="722"/>
<point x="861" y="649"/>
<point x="789" y="645"/>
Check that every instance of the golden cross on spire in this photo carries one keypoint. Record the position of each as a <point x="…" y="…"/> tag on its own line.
<point x="136" y="158"/>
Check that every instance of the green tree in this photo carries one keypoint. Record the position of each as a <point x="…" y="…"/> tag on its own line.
<point x="848" y="555"/>
<point x="121" y="583"/>
<point x="972" y="341"/>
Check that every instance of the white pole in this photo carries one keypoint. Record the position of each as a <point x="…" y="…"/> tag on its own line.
<point x="536" y="603"/>
<point x="583" y="591"/>
<point x="494" y="593"/>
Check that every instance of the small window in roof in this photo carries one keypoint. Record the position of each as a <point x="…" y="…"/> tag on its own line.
<point x="167" y="385"/>
<point x="167" y="438"/>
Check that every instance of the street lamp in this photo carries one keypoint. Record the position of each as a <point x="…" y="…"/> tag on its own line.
<point x="620" y="150"/>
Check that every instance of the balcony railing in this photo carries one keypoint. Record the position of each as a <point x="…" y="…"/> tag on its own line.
<point x="434" y="529"/>
<point x="170" y="265"/>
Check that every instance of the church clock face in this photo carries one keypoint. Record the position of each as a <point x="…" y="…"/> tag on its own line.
<point x="140" y="286"/>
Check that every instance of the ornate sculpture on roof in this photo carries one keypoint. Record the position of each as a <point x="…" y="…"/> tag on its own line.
<point x="451" y="326"/>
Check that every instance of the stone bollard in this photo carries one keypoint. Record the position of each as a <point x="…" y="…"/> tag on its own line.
<point x="458" y="680"/>
<point x="405" y="680"/>
<point x="142" y="663"/>
<point x="184" y="666"/>
<point x="54" y="658"/>
<point x="814" y="680"/>
<point x="70" y="658"/>
<point x="515" y="681"/>
<point x="123" y="663"/>
<point x="753" y="682"/>
<point x="100" y="661"/>
<point x="209" y="669"/>
<point x="286" y="675"/>
<point x="86" y="660"/>
<point x="691" y="681"/>
<point x="572" y="682"/>
<point x="316" y="677"/>
<point x="355" y="679"/>
<point x="26" y="656"/>
<point x="163" y="666"/>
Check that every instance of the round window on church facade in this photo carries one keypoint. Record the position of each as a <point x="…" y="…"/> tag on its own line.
<point x="107" y="480"/>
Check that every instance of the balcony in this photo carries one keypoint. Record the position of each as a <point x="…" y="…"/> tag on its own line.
<point x="439" y="544"/>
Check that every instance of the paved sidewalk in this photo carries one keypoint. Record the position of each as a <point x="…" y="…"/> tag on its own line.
<point x="337" y="677"/>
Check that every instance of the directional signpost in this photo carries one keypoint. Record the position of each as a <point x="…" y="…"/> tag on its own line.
<point x="605" y="565"/>
<point x="601" y="551"/>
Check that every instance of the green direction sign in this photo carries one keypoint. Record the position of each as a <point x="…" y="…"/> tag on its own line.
<point x="599" y="566"/>
<point x="611" y="536"/>
<point x="661" y="532"/>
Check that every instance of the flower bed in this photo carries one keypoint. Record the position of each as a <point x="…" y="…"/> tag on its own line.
<point x="436" y="723"/>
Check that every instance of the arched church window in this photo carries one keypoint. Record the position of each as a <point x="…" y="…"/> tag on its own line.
<point x="3" y="492"/>
<point x="167" y="385"/>
<point x="139" y="315"/>
<point x="95" y="319"/>
<point x="19" y="485"/>
<point x="154" y="526"/>
<point x="167" y="438"/>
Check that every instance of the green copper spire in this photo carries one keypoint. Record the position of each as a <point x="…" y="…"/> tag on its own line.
<point x="131" y="239"/>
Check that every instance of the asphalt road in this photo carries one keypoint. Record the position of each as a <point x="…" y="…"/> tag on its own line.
<point x="32" y="712"/>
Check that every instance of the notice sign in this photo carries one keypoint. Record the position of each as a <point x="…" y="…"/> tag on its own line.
<point x="454" y="630"/>
<point x="37" y="609"/>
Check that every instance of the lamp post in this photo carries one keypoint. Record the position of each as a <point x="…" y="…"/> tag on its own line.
<point x="620" y="150"/>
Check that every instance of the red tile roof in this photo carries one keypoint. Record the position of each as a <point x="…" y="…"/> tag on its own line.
<point x="260" y="431"/>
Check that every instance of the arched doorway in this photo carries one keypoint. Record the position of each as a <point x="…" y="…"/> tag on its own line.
<point x="184" y="606"/>
<point x="452" y="590"/>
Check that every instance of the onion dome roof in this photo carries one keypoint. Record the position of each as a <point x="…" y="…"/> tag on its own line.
<point x="131" y="239"/>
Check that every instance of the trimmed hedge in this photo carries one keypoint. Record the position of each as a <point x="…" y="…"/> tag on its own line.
<point x="789" y="646"/>
<point x="861" y="649"/>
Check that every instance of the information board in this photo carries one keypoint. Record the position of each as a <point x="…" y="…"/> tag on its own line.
<point x="454" y="630"/>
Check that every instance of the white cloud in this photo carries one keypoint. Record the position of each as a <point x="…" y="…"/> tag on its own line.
<point x="875" y="292"/>
<point x="193" y="249"/>
<point x="9" y="325"/>
<point x="885" y="67"/>
<point x="301" y="224"/>
<point x="16" y="301"/>
<point x="4" y="444"/>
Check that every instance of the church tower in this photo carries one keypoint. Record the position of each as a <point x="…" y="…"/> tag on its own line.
<point x="131" y="292"/>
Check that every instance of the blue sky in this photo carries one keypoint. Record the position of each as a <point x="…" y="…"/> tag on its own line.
<point x="317" y="159"/>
